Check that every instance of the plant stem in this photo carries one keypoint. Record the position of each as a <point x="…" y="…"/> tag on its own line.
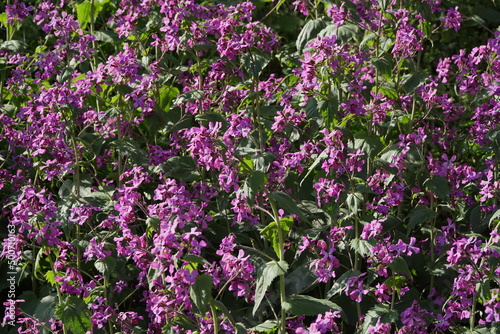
<point x="214" y="318"/>
<point x="282" y="276"/>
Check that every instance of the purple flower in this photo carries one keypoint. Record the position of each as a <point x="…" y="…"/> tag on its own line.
<point x="17" y="12"/>
<point x="355" y="289"/>
<point x="379" y="328"/>
<point x="452" y="19"/>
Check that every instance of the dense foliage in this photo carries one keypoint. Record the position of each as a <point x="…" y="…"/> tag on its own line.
<point x="238" y="167"/>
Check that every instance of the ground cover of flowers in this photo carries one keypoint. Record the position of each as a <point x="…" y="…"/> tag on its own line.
<point x="181" y="166"/>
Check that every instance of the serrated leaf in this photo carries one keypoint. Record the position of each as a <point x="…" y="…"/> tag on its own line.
<point x="384" y="4"/>
<point x="410" y="82"/>
<point x="287" y="203"/>
<point x="383" y="66"/>
<point x="388" y="92"/>
<point x="153" y="275"/>
<point x="252" y="186"/>
<point x="191" y="258"/>
<point x="370" y="37"/>
<point x="400" y="266"/>
<point x="369" y="144"/>
<point x="106" y="36"/>
<point x="270" y="232"/>
<point x="211" y="117"/>
<point x="321" y="156"/>
<point x="74" y="314"/>
<point x="361" y="246"/>
<point x="344" y="33"/>
<point x="254" y="63"/>
<point x="201" y="293"/>
<point x="266" y="274"/>
<point x="299" y="279"/>
<point x="487" y="13"/>
<point x="106" y="266"/>
<point x="263" y="161"/>
<point x="84" y="12"/>
<point x="309" y="306"/>
<point x="396" y="282"/>
<point x="309" y="32"/>
<point x="46" y="308"/>
<point x="439" y="186"/>
<point x="341" y="283"/>
<point x="266" y="326"/>
<point x="182" y="168"/>
<point x="419" y="215"/>
<point x="98" y="199"/>
<point x="30" y="303"/>
<point x="382" y="312"/>
<point x="132" y="150"/>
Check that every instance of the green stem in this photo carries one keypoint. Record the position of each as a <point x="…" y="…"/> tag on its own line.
<point x="214" y="318"/>
<point x="92" y="14"/>
<point x="106" y="298"/>
<point x="472" y="318"/>
<point x="282" y="276"/>
<point x="58" y="289"/>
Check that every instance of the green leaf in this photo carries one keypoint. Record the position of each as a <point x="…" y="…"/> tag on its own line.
<point x="266" y="273"/>
<point x="396" y="282"/>
<point x="368" y="144"/>
<point x="388" y="92"/>
<point x="309" y="32"/>
<point x="270" y="232"/>
<point x="344" y="33"/>
<point x="201" y="293"/>
<point x="46" y="308"/>
<point x="182" y="168"/>
<point x="400" y="266"/>
<point x="419" y="215"/>
<point x="99" y="199"/>
<point x="195" y="259"/>
<point x="383" y="66"/>
<point x="384" y="4"/>
<point x="14" y="46"/>
<point x="410" y="82"/>
<point x="439" y="186"/>
<point x="106" y="36"/>
<point x="75" y="315"/>
<point x="362" y="247"/>
<point x="368" y="38"/>
<point x="341" y="283"/>
<point x="299" y="279"/>
<point x="487" y="13"/>
<point x="131" y="149"/>
<point x="287" y="203"/>
<point x="254" y="63"/>
<point x="84" y="12"/>
<point x="3" y="19"/>
<point x="265" y="327"/>
<point x="263" y="161"/>
<point x="382" y="312"/>
<point x="437" y="268"/>
<point x="211" y="117"/>
<point x="319" y="158"/>
<point x="30" y="303"/>
<point x="153" y="275"/>
<point x="220" y="306"/>
<point x="309" y="306"/>
<point x="483" y="290"/>
<point x="106" y="266"/>
<point x="253" y="184"/>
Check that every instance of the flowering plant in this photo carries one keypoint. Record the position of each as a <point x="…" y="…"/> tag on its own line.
<point x="250" y="167"/>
